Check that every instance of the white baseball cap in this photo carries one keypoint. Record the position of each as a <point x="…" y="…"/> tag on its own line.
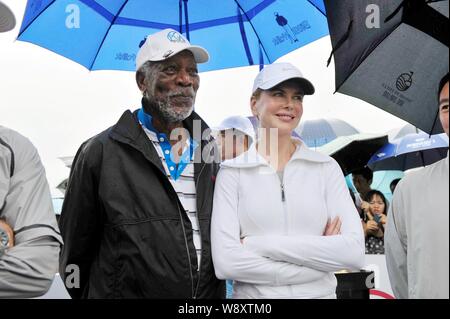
<point x="239" y="123"/>
<point x="274" y="74"/>
<point x="165" y="44"/>
<point x="7" y="19"/>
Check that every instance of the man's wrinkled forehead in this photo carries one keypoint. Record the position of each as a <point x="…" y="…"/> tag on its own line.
<point x="177" y="58"/>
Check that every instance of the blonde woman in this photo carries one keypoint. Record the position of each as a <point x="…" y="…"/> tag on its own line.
<point x="283" y="221"/>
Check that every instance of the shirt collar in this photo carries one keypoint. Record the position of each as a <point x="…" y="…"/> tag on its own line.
<point x="252" y="158"/>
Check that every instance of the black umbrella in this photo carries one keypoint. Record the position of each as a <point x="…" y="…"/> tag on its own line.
<point x="392" y="54"/>
<point x="354" y="151"/>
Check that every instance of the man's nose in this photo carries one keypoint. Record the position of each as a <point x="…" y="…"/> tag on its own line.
<point x="184" y="78"/>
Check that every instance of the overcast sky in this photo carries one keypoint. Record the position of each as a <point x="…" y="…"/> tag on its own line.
<point x="58" y="104"/>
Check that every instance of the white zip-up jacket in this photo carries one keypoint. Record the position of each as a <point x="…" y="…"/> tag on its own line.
<point x="284" y="253"/>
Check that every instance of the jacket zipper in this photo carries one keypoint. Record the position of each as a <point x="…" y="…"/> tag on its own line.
<point x="283" y="203"/>
<point x="283" y="196"/>
<point x="201" y="239"/>
<point x="187" y="250"/>
<point x="184" y="233"/>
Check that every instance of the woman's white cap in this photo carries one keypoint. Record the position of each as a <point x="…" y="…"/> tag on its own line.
<point x="274" y="74"/>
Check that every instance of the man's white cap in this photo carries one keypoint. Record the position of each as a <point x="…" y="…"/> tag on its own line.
<point x="239" y="123"/>
<point x="7" y="19"/>
<point x="165" y="44"/>
<point x="274" y="74"/>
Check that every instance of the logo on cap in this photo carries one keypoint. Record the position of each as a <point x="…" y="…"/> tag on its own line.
<point x="175" y="37"/>
<point x="167" y="54"/>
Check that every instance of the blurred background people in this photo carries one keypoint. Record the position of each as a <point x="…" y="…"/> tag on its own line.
<point x="374" y="221"/>
<point x="234" y="136"/>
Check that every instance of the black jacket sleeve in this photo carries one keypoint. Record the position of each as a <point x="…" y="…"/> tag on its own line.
<point x="80" y="221"/>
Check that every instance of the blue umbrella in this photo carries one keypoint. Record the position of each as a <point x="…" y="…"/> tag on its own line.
<point x="316" y="133"/>
<point x="105" y="34"/>
<point x="411" y="151"/>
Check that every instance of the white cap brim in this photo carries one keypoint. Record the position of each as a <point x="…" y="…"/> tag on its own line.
<point x="7" y="19"/>
<point x="306" y="85"/>
<point x="200" y="54"/>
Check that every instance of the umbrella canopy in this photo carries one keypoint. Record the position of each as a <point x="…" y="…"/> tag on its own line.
<point x="411" y="151"/>
<point x="354" y="151"/>
<point x="105" y="34"/>
<point x="316" y="133"/>
<point x="393" y="60"/>
<point x="402" y="131"/>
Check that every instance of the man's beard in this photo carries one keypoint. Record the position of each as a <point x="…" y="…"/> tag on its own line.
<point x="166" y="112"/>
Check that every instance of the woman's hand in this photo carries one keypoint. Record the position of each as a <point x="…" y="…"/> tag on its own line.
<point x="383" y="219"/>
<point x="333" y="227"/>
<point x="371" y="225"/>
<point x="365" y="206"/>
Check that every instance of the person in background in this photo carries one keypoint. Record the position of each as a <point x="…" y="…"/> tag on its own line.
<point x="393" y="185"/>
<point x="374" y="221"/>
<point x="283" y="221"/>
<point x="29" y="237"/>
<point x="235" y="134"/>
<point x="417" y="234"/>
<point x="362" y="179"/>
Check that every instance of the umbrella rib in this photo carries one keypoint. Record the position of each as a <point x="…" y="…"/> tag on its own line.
<point x="317" y="7"/>
<point x="362" y="61"/>
<point x="107" y="32"/>
<point x="254" y="30"/>
<point x="21" y="32"/>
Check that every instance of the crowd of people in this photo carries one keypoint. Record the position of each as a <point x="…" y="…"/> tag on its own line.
<point x="161" y="206"/>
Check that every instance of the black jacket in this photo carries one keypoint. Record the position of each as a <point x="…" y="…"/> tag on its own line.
<point x="123" y="224"/>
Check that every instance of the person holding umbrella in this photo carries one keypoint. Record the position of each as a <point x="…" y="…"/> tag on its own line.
<point x="283" y="220"/>
<point x="417" y="233"/>
<point x="136" y="216"/>
<point x="29" y="237"/>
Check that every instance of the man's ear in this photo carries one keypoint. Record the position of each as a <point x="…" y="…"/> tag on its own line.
<point x="141" y="81"/>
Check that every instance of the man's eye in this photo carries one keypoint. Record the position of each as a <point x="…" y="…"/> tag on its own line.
<point x="170" y="69"/>
<point x="444" y="107"/>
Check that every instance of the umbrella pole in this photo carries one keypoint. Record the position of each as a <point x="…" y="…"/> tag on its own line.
<point x="180" y="17"/>
<point x="186" y="19"/>
<point x="422" y="158"/>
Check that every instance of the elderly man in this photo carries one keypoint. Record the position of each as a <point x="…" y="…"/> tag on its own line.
<point x="29" y="237"/>
<point x="417" y="234"/>
<point x="136" y="217"/>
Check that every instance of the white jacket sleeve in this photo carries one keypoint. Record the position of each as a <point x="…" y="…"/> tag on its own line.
<point x="231" y="259"/>
<point x="395" y="242"/>
<point x="325" y="253"/>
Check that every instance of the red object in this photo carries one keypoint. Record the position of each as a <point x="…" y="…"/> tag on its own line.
<point x="381" y="294"/>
